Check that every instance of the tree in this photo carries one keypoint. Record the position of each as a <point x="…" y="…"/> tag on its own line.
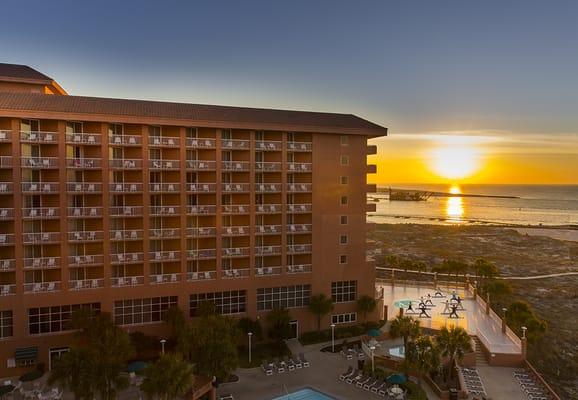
<point x="320" y="305"/>
<point x="278" y="320"/>
<point x="406" y="328"/>
<point x="168" y="378"/>
<point x="423" y="355"/>
<point x="497" y="289"/>
<point x="181" y="331"/>
<point x="247" y="325"/>
<point x="365" y="305"/>
<point x="520" y="314"/>
<point x="453" y="343"/>
<point x="485" y="270"/>
<point x="73" y="371"/>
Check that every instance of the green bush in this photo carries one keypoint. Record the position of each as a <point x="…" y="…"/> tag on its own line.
<point x="342" y="332"/>
<point x="31" y="376"/>
<point x="414" y="392"/>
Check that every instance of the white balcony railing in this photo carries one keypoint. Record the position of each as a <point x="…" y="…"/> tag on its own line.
<point x="164" y="210"/>
<point x="268" y="145"/>
<point x="201" y="187"/>
<point x="235" y="187"/>
<point x="125" y="211"/>
<point x="165" y="233"/>
<point x="164" y="278"/>
<point x="235" y="144"/>
<point x="41" y="262"/>
<point x="268" y="271"/>
<point x="203" y="231"/>
<point x="268" y="229"/>
<point x="299" y="146"/>
<point x="40" y="187"/>
<point x="85" y="260"/>
<point x="268" y="166"/>
<point x="298" y="208"/>
<point x="299" y="268"/>
<point x="201" y="275"/>
<point x="38" y="137"/>
<point x="167" y="255"/>
<point x="42" y="287"/>
<point x="235" y="165"/>
<point x="85" y="212"/>
<point x="200" y="165"/>
<point x="7" y="290"/>
<point x="85" y="284"/>
<point x="235" y="273"/>
<point x="5" y="161"/>
<point x="127" y="281"/>
<point x="84" y="236"/>
<point x="164" y="187"/>
<point x="298" y="228"/>
<point x="125" y="164"/>
<point x="84" y="187"/>
<point x="235" y="230"/>
<point x="201" y="210"/>
<point x="6" y="239"/>
<point x="126" y="258"/>
<point x="268" y="187"/>
<point x="39" y="162"/>
<point x="164" y="164"/>
<point x="299" y="167"/>
<point x="125" y="140"/>
<point x="299" y="248"/>
<point x="299" y="187"/>
<point x="235" y="209"/>
<point x="201" y="254"/>
<point x="235" y="251"/>
<point x="268" y="208"/>
<point x="5" y="136"/>
<point x="267" y="250"/>
<point x="5" y="187"/>
<point x="164" y="141"/>
<point x="200" y="143"/>
<point x="131" y="187"/>
<point x="127" y="234"/>
<point x="7" y="264"/>
<point x="40" y="237"/>
<point x="84" y="163"/>
<point x="83" y="138"/>
<point x="6" y="213"/>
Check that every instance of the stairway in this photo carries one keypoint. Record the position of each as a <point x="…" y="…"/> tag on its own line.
<point x="480" y="357"/>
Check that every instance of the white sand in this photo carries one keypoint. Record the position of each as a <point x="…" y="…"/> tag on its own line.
<point x="560" y="234"/>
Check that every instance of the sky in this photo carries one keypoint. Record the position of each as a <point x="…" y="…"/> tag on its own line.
<point x="500" y="75"/>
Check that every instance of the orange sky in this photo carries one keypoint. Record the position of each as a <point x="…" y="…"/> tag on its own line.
<point x="498" y="158"/>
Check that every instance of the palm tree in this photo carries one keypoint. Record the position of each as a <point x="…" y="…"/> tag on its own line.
<point x="168" y="378"/>
<point x="423" y="355"/>
<point x="405" y="327"/>
<point x="73" y="371"/>
<point x="365" y="305"/>
<point x="453" y="343"/>
<point x="485" y="270"/>
<point x="278" y="320"/>
<point x="320" y="305"/>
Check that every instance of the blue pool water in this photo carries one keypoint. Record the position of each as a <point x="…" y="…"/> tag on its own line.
<point x="305" y="394"/>
<point x="398" y="351"/>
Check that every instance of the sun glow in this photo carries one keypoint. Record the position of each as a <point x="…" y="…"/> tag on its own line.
<point x="455" y="205"/>
<point x="455" y="158"/>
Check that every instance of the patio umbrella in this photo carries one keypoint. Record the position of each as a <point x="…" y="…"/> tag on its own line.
<point x="396" y="379"/>
<point x="136" y="366"/>
<point x="374" y="333"/>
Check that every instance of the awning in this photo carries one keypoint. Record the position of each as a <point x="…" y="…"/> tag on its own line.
<point x="26" y="353"/>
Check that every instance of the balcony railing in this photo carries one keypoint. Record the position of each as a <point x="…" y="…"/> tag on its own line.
<point x="268" y="145"/>
<point x="42" y="287"/>
<point x="127" y="234"/>
<point x="39" y="162"/>
<point x="125" y="211"/>
<point x="5" y="187"/>
<point x="40" y="237"/>
<point x="127" y="281"/>
<point x="235" y="187"/>
<point x="165" y="233"/>
<point x="5" y="161"/>
<point x="6" y="239"/>
<point x="41" y="262"/>
<point x="268" y="166"/>
<point x="235" y="165"/>
<point x="85" y="212"/>
<point x="299" y="146"/>
<point x="84" y="163"/>
<point x="83" y="138"/>
<point x="164" y="141"/>
<point x="201" y="254"/>
<point x="235" y="209"/>
<point x="200" y="165"/>
<point x="235" y="273"/>
<point x="84" y="187"/>
<point x="164" y="278"/>
<point x="268" y="229"/>
<point x="201" y="187"/>
<point x="132" y="187"/>
<point x="268" y="271"/>
<point x="299" y="248"/>
<point x="7" y="290"/>
<point x="298" y="228"/>
<point x="126" y="258"/>
<point x="7" y="265"/>
<point x="201" y="210"/>
<point x="201" y="275"/>
<point x="6" y="213"/>
<point x="235" y="251"/>
<point x="164" y="164"/>
<point x="299" y="187"/>
<point x="235" y="230"/>
<point x="125" y="140"/>
<point x="267" y="250"/>
<point x="268" y="208"/>
<point x="203" y="231"/>
<point x="84" y="236"/>
<point x="299" y="208"/>
<point x="125" y="164"/>
<point x="167" y="255"/>
<point x="164" y="210"/>
<point x="235" y="144"/>
<point x="164" y="187"/>
<point x="85" y="284"/>
<point x="5" y="135"/>
<point x="268" y="187"/>
<point x="200" y="143"/>
<point x="299" y="268"/>
<point x="40" y="187"/>
<point x="85" y="260"/>
<point x="299" y="167"/>
<point x="39" y="137"/>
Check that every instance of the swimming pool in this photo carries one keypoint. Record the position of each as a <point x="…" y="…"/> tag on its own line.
<point x="397" y="351"/>
<point x="402" y="303"/>
<point x="305" y="394"/>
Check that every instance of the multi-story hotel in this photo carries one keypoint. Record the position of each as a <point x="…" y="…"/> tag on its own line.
<point x="131" y="207"/>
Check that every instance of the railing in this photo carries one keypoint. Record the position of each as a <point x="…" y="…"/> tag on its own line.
<point x="164" y="210"/>
<point x="235" y="209"/>
<point x="299" y="146"/>
<point x="164" y="187"/>
<point x="86" y="259"/>
<point x="299" y="167"/>
<point x="268" y="166"/>
<point x="7" y="290"/>
<point x="38" y="137"/>
<point x="203" y="231"/>
<point x="133" y="187"/>
<point x="201" y="210"/>
<point x="268" y="271"/>
<point x="236" y="144"/>
<point x="268" y="208"/>
<point x="235" y="187"/>
<point x="128" y="234"/>
<point x="125" y="140"/>
<point x="164" y="278"/>
<point x="84" y="284"/>
<point x="5" y="161"/>
<point x="164" y="141"/>
<point x="299" y="268"/>
<point x="268" y="187"/>
<point x="235" y="165"/>
<point x="83" y="138"/>
<point x="201" y="254"/>
<point x="200" y="165"/>
<point x="5" y="135"/>
<point x="299" y="208"/>
<point x="235" y="251"/>
<point x="167" y="255"/>
<point x="299" y="187"/>
<point x="201" y="187"/>
<point x="84" y="236"/>
<point x="201" y="275"/>
<point x="200" y="143"/>
<point x="299" y="248"/>
<point x="267" y="250"/>
<point x="5" y="187"/>
<point x="127" y="281"/>
<point x="235" y="273"/>
<point x="83" y="163"/>
<point x="125" y="163"/>
<point x="42" y="287"/>
<point x="80" y="212"/>
<point x="126" y="258"/>
<point x="298" y="228"/>
<point x="6" y="239"/>
<point x="41" y="262"/>
<point x="235" y="230"/>
<point x="40" y="237"/>
<point x="40" y="187"/>
<point x="39" y="162"/>
<point x="84" y="187"/>
<point x="6" y="213"/>
<point x="125" y="211"/>
<point x="164" y="233"/>
<point x="270" y="145"/>
<point x="268" y="229"/>
<point x="164" y="164"/>
<point x="7" y="264"/>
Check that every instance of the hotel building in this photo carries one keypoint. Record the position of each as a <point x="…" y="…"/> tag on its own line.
<point x="131" y="207"/>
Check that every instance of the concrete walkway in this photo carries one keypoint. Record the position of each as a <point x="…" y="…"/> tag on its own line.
<point x="500" y="383"/>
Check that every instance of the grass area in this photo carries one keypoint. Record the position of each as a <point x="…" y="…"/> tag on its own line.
<point x="341" y="332"/>
<point x="261" y="352"/>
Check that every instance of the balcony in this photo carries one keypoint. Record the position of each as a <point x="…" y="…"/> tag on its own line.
<point x="298" y="228"/>
<point x="125" y="211"/>
<point x="7" y="290"/>
<point x="204" y="231"/>
<point x="299" y="248"/>
<point x="200" y="143"/>
<point x="42" y="287"/>
<point x="5" y="187"/>
<point x="268" y="271"/>
<point x="162" y="211"/>
<point x="268" y="208"/>
<point x="268" y="145"/>
<point x="85" y="284"/>
<point x="235" y="166"/>
<point x="299" y="187"/>
<point x="167" y="255"/>
<point x="85" y="212"/>
<point x="84" y="236"/>
<point x="83" y="138"/>
<point x="200" y="165"/>
<point x="6" y="214"/>
<point x="299" y="268"/>
<point x="84" y="187"/>
<point x="5" y="161"/>
<point x="38" y="137"/>
<point x="298" y="167"/>
<point x="125" y="164"/>
<point x="201" y="276"/>
<point x="126" y="258"/>
<point x="124" y="281"/>
<point x="164" y="141"/>
<point x="164" y="187"/>
<point x="7" y="265"/>
<point x="299" y="208"/>
<point x="201" y="254"/>
<point x="299" y="146"/>
<point x="236" y="273"/>
<point x="127" y="234"/>
<point x="268" y="229"/>
<point x="164" y="165"/>
<point x="85" y="260"/>
<point x="268" y="166"/>
<point x="164" y="278"/>
<point x="41" y="237"/>
<point x="235" y="187"/>
<point x="235" y="209"/>
<point x="40" y="187"/>
<point x="125" y="140"/>
<point x="268" y="250"/>
<point x="84" y="163"/>
<point x="166" y="233"/>
<point x="41" y="263"/>
<point x="39" y="162"/>
<point x="5" y="136"/>
<point x="201" y="187"/>
<point x="235" y="144"/>
<point x="230" y="252"/>
<point x="268" y="187"/>
<point x="134" y="187"/>
<point x="201" y="210"/>
<point x="6" y="239"/>
<point x="235" y="231"/>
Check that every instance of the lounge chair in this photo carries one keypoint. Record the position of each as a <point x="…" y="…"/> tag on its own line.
<point x="368" y="385"/>
<point x="297" y="362"/>
<point x="346" y="374"/>
<point x="267" y="368"/>
<point x="227" y="396"/>
<point x="362" y="381"/>
<point x="289" y="363"/>
<point x="304" y="360"/>
<point x="359" y="352"/>
<point x="356" y="375"/>
<point x="380" y="384"/>
<point x="279" y="365"/>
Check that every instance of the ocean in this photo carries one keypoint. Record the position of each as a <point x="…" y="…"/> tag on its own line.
<point x="534" y="205"/>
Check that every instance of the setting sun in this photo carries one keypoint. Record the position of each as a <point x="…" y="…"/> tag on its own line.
<point x="454" y="160"/>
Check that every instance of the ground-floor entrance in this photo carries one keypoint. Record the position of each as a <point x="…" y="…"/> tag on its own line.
<point x="294" y="329"/>
<point x="55" y="353"/>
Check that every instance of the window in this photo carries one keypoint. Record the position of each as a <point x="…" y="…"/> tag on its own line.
<point x="283" y="297"/>
<point x="6" y="327"/>
<point x="343" y="239"/>
<point x="344" y="180"/>
<point x="55" y="319"/>
<point x="343" y="291"/>
<point x="344" y="318"/>
<point x="226" y="303"/>
<point x="342" y="259"/>
<point x="344" y="140"/>
<point x="344" y="200"/>
<point x="344" y="160"/>
<point x="142" y="311"/>
<point x="343" y="220"/>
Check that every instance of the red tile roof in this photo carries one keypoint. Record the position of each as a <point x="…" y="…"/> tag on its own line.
<point x="22" y="73"/>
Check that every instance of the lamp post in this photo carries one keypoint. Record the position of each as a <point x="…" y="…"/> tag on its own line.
<point x="372" y="348"/>
<point x="249" y="334"/>
<point x="333" y="338"/>
<point x="504" y="320"/>
<point x="163" y="341"/>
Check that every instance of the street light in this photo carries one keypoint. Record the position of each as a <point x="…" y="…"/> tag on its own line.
<point x="372" y="348"/>
<point x="524" y="332"/>
<point x="333" y="338"/>
<point x="163" y="341"/>
<point x="249" y="334"/>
